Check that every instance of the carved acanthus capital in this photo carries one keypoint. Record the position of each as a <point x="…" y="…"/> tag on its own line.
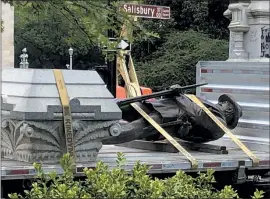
<point x="32" y="141"/>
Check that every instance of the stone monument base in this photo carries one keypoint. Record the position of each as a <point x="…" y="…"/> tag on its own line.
<point x="32" y="141"/>
<point x="32" y="115"/>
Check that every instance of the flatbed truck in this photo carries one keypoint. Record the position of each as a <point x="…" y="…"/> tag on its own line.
<point x="160" y="162"/>
<point x="235" y="167"/>
<point x="232" y="168"/>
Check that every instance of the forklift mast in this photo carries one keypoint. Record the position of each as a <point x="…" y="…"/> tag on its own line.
<point x="108" y="72"/>
<point x="121" y="66"/>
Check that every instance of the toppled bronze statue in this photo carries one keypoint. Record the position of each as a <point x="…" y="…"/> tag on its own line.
<point x="178" y="115"/>
<point x="32" y="127"/>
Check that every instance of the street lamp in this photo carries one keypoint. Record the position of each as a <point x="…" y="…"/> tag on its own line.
<point x="70" y="51"/>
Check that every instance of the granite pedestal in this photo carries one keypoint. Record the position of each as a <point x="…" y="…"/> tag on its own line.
<point x="32" y="120"/>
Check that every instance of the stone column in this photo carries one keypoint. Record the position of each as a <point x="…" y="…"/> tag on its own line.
<point x="249" y="30"/>
<point x="7" y="36"/>
<point x="245" y="75"/>
<point x="238" y="27"/>
<point x="258" y="38"/>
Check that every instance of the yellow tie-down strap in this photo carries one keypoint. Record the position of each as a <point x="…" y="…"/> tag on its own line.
<point x="193" y="161"/>
<point x="254" y="159"/>
<point x="66" y="112"/>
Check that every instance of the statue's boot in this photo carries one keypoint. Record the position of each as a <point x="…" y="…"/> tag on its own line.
<point x="132" y="131"/>
<point x="133" y="126"/>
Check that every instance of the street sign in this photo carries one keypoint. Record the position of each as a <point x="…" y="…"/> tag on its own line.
<point x="123" y="45"/>
<point x="147" y="11"/>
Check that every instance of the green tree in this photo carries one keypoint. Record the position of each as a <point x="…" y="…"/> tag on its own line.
<point x="175" y="61"/>
<point x="204" y="16"/>
<point x="49" y="28"/>
<point x="141" y="49"/>
<point x="48" y="34"/>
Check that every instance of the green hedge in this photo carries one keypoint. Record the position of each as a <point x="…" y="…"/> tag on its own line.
<point x="117" y="183"/>
<point x="175" y="61"/>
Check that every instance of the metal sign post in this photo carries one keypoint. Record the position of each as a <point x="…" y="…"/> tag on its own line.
<point x="128" y="72"/>
<point x="130" y="77"/>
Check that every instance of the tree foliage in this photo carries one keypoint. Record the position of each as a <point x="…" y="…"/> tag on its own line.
<point x="175" y="61"/>
<point x="102" y="182"/>
<point x="49" y="28"/>
<point x="47" y="34"/>
<point x="204" y="16"/>
<point x="2" y="25"/>
<point x="196" y="32"/>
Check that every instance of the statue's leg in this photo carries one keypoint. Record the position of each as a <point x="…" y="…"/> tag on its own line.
<point x="204" y="129"/>
<point x="133" y="130"/>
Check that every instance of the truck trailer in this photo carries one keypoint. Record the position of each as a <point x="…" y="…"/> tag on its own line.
<point x="250" y="87"/>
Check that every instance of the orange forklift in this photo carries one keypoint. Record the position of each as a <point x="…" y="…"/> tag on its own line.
<point x="116" y="85"/>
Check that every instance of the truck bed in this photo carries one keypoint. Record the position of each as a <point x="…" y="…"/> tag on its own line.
<point x="160" y="162"/>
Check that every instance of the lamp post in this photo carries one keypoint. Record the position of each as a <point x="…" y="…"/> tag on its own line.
<point x="70" y="51"/>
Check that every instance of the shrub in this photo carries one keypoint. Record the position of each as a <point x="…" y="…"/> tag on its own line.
<point x="102" y="182"/>
<point x="175" y="61"/>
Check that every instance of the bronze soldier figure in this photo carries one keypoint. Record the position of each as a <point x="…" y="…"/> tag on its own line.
<point x="179" y="116"/>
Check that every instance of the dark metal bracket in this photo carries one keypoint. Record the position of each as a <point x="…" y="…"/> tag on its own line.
<point x="163" y="146"/>
<point x="240" y="176"/>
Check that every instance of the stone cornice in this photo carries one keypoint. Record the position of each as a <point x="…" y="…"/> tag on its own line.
<point x="258" y="13"/>
<point x="235" y="27"/>
<point x="237" y="6"/>
<point x="259" y="8"/>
